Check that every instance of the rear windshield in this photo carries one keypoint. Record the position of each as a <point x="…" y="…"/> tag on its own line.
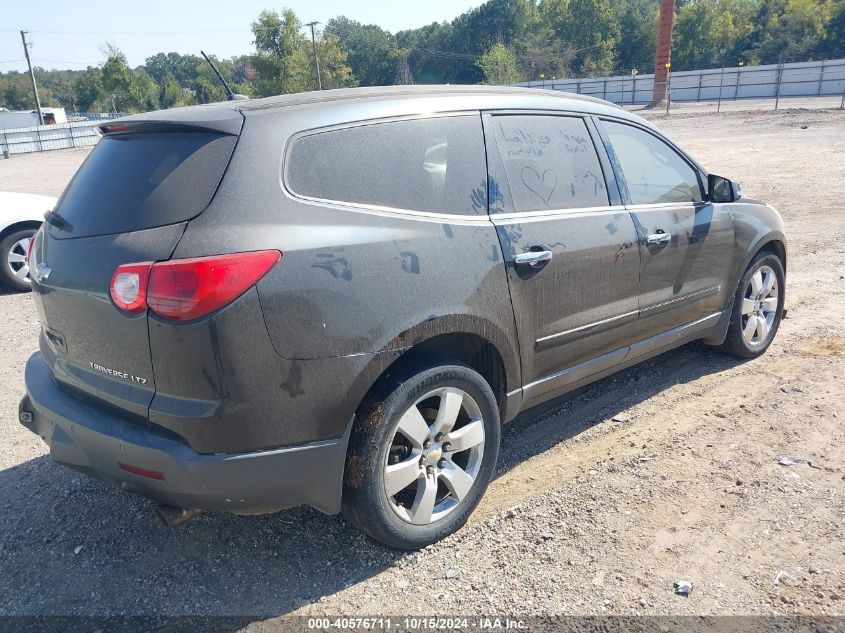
<point x="139" y="181"/>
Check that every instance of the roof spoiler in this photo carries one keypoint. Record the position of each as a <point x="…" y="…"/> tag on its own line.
<point x="210" y="118"/>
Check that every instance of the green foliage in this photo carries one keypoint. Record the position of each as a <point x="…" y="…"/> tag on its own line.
<point x="589" y="27"/>
<point x="789" y="29"/>
<point x="709" y="32"/>
<point x="499" y="41"/>
<point x="369" y="50"/>
<point x="835" y="32"/>
<point x="282" y="60"/>
<point x="17" y="93"/>
<point x="638" y="22"/>
<point x="498" y="65"/>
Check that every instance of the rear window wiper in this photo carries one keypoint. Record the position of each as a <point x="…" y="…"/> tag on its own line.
<point x="54" y="219"/>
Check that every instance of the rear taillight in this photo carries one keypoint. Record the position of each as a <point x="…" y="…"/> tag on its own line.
<point x="186" y="289"/>
<point x="129" y="287"/>
<point x="29" y="248"/>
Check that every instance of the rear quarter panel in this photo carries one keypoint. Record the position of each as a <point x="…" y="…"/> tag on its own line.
<point x="353" y="282"/>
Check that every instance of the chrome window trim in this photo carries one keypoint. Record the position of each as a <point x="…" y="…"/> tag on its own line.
<point x="551" y="214"/>
<point x="662" y="205"/>
<point x="372" y="209"/>
<point x="408" y="214"/>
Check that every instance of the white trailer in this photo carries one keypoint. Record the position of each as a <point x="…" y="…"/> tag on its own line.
<point x="11" y="119"/>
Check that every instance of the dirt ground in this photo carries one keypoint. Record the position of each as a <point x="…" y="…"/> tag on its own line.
<point x="668" y="470"/>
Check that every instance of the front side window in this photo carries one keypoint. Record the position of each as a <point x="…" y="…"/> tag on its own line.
<point x="653" y="171"/>
<point x="549" y="162"/>
<point x="432" y="164"/>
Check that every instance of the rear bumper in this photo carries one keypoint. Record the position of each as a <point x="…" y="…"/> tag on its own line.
<point x="93" y="441"/>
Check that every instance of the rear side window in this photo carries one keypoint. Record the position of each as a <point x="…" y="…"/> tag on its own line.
<point x="431" y="164"/>
<point x="653" y="171"/>
<point x="550" y="162"/>
<point x="132" y="182"/>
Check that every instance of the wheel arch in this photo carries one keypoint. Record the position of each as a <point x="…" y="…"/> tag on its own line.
<point x="775" y="246"/>
<point x="18" y="226"/>
<point x="474" y="341"/>
<point x="773" y="242"/>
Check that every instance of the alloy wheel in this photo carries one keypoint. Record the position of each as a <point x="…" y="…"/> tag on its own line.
<point x="759" y="307"/>
<point x="435" y="456"/>
<point x="16" y="259"/>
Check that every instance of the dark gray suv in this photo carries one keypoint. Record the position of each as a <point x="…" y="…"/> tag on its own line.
<point x="337" y="299"/>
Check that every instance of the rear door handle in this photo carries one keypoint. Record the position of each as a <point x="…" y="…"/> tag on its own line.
<point x="659" y="238"/>
<point x="535" y="259"/>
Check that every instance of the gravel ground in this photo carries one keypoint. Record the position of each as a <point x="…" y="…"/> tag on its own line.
<point x="667" y="470"/>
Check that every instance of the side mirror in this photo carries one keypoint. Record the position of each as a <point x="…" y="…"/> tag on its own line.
<point x="721" y="189"/>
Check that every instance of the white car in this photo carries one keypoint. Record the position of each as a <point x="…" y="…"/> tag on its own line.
<point x="21" y="214"/>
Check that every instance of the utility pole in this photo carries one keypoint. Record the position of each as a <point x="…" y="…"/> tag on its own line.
<point x="316" y="58"/>
<point x="32" y="78"/>
<point x="664" y="52"/>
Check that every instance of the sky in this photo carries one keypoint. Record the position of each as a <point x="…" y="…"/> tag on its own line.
<point x="71" y="34"/>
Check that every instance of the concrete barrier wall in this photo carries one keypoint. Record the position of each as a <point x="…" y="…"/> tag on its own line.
<point x="46" y="137"/>
<point x="801" y="79"/>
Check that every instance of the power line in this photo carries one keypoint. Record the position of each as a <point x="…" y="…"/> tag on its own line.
<point x="185" y="32"/>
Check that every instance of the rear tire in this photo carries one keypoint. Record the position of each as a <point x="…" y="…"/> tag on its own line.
<point x="14" y="270"/>
<point x="421" y="454"/>
<point x="757" y="308"/>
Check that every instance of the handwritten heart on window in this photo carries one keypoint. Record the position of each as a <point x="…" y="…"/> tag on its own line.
<point x="541" y="186"/>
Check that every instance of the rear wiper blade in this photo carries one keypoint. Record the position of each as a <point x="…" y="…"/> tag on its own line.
<point x="54" y="219"/>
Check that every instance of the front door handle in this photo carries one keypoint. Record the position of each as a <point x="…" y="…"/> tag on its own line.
<point x="659" y="238"/>
<point x="535" y="259"/>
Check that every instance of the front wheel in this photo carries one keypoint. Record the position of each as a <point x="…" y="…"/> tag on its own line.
<point x="757" y="308"/>
<point x="421" y="454"/>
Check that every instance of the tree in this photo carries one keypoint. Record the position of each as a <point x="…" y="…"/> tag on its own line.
<point x="282" y="61"/>
<point x="498" y="65"/>
<point x="589" y="27"/>
<point x="475" y="32"/>
<point x="835" y="32"/>
<point x="17" y="93"/>
<point x="542" y="38"/>
<point x="428" y="55"/>
<point x="404" y="76"/>
<point x="117" y="81"/>
<point x="711" y="32"/>
<point x="333" y="69"/>
<point x="88" y="87"/>
<point x="369" y="50"/>
<point x="789" y="29"/>
<point x="181" y="68"/>
<point x="638" y="20"/>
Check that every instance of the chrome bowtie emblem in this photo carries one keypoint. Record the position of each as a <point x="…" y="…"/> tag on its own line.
<point x="42" y="272"/>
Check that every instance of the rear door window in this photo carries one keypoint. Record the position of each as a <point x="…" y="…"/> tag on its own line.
<point x="132" y="182"/>
<point x="432" y="164"/>
<point x="653" y="171"/>
<point x="549" y="162"/>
